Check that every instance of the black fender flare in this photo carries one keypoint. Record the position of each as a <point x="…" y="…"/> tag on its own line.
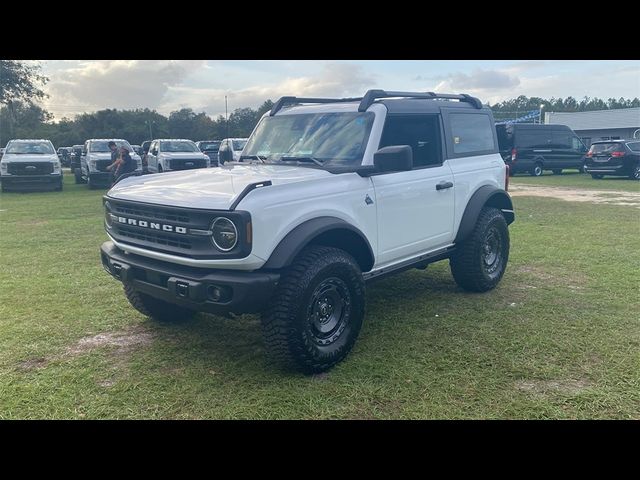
<point x="302" y="235"/>
<point x="487" y="195"/>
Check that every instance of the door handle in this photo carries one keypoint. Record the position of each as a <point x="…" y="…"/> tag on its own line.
<point x="444" y="185"/>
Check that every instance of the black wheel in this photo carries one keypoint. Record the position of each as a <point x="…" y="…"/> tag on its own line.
<point x="536" y="171"/>
<point x="635" y="174"/>
<point x="557" y="172"/>
<point x="156" y="309"/>
<point x="583" y="168"/>
<point x="597" y="176"/>
<point x="316" y="314"/>
<point x="160" y="170"/>
<point x="479" y="263"/>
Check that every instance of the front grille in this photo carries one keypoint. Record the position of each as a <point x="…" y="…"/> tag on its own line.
<point x="154" y="237"/>
<point x="30" y="168"/>
<point x="101" y="165"/>
<point x="187" y="163"/>
<point x="147" y="211"/>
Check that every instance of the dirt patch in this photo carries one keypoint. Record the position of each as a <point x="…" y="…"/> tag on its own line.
<point x="607" y="197"/>
<point x="121" y="342"/>
<point x="107" y="383"/>
<point x="536" y="272"/>
<point x="545" y="387"/>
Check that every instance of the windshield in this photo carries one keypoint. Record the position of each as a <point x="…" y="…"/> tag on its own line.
<point x="30" y="148"/>
<point x="239" y="144"/>
<point x="335" y="138"/>
<point x="208" y="146"/>
<point x="178" y="146"/>
<point x="102" y="146"/>
<point x="606" y="147"/>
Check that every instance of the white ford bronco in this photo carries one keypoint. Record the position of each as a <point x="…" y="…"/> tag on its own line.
<point x="328" y="194"/>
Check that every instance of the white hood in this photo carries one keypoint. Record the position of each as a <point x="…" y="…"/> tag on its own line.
<point x="183" y="155"/>
<point x="99" y="156"/>
<point x="11" y="157"/>
<point x="211" y="188"/>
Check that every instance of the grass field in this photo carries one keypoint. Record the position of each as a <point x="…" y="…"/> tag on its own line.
<point x="573" y="179"/>
<point x="559" y="337"/>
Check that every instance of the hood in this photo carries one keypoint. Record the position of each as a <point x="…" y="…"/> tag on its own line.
<point x="12" y="157"/>
<point x="210" y="188"/>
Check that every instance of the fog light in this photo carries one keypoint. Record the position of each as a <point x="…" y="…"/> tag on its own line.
<point x="218" y="294"/>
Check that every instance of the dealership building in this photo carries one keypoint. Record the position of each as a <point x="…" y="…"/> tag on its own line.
<point x="615" y="124"/>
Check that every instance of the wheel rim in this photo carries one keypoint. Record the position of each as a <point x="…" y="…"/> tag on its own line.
<point x="636" y="173"/>
<point x="537" y="171"/>
<point x="492" y="251"/>
<point x="329" y="310"/>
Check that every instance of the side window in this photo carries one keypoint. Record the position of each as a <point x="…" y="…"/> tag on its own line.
<point x="420" y="132"/>
<point x="561" y="139"/>
<point x="471" y="133"/>
<point x="154" y="148"/>
<point x="577" y="145"/>
<point x="635" y="146"/>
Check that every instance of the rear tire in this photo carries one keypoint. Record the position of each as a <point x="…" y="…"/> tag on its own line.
<point x="536" y="171"/>
<point x="480" y="262"/>
<point x="315" y="316"/>
<point x="597" y="176"/>
<point x="157" y="309"/>
<point x="635" y="174"/>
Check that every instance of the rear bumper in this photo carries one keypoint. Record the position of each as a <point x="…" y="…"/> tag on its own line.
<point x="605" y="169"/>
<point x="31" y="182"/>
<point x="243" y="292"/>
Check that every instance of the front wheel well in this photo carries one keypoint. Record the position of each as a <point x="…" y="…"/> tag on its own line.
<point x="350" y="242"/>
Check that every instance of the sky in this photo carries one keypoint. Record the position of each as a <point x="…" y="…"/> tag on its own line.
<point x="78" y="86"/>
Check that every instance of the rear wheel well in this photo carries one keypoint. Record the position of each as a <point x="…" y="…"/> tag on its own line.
<point x="501" y="202"/>
<point x="350" y="242"/>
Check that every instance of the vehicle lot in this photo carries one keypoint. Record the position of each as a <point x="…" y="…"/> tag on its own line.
<point x="558" y="338"/>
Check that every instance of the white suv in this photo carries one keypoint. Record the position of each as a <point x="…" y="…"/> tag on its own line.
<point x="331" y="193"/>
<point x="231" y="149"/>
<point x="30" y="165"/>
<point x="175" y="154"/>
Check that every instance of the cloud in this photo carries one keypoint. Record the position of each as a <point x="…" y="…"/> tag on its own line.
<point x="93" y="85"/>
<point x="333" y="80"/>
<point x="477" y="81"/>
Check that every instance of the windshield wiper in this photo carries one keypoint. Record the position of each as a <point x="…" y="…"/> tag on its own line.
<point x="303" y="159"/>
<point x="262" y="158"/>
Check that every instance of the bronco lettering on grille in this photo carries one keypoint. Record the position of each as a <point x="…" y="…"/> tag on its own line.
<point x="155" y="226"/>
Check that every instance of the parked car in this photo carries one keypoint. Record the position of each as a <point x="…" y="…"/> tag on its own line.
<point x="620" y="158"/>
<point x="175" y="154"/>
<point x="96" y="157"/>
<point x="145" y="150"/>
<point x="74" y="158"/>
<point x="64" y="155"/>
<point x="137" y="149"/>
<point x="210" y="148"/>
<point x="30" y="165"/>
<point x="231" y="149"/>
<point x="533" y="148"/>
<point x="331" y="193"/>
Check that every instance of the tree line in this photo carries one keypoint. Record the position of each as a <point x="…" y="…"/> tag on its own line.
<point x="523" y="104"/>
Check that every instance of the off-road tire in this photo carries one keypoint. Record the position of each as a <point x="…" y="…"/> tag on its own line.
<point x="157" y="309"/>
<point x="468" y="264"/>
<point x="292" y="320"/>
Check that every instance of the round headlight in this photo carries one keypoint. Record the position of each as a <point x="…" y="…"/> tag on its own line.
<point x="225" y="234"/>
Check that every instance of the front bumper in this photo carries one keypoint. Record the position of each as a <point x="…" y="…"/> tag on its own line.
<point x="100" y="178"/>
<point x="31" y="182"/>
<point x="243" y="292"/>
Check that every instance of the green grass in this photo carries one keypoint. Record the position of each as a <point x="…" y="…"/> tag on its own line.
<point x="573" y="179"/>
<point x="559" y="337"/>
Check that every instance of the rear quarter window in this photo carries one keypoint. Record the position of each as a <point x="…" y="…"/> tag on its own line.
<point x="635" y="146"/>
<point x="471" y="133"/>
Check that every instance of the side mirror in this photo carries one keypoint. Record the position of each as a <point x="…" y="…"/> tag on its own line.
<point x="396" y="158"/>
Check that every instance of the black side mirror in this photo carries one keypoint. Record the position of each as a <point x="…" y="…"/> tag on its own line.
<point x="396" y="158"/>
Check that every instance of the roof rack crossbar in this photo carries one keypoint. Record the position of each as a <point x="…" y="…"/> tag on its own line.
<point x="372" y="95"/>
<point x="283" y="101"/>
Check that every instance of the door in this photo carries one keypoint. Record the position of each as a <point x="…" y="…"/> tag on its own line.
<point x="416" y="207"/>
<point x="152" y="157"/>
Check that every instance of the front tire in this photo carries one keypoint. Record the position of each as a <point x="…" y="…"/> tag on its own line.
<point x="635" y="174"/>
<point x="316" y="314"/>
<point x="479" y="263"/>
<point x="157" y="309"/>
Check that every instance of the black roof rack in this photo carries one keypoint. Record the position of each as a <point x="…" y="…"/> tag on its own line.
<point x="373" y="95"/>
